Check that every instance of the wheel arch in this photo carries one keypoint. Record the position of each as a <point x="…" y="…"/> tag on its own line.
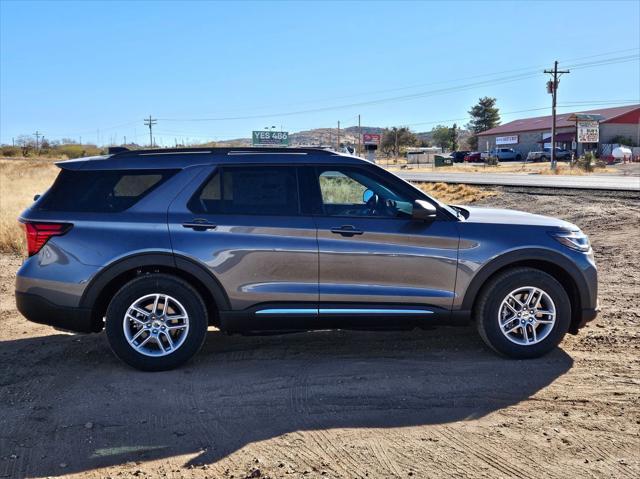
<point x="554" y="264"/>
<point x="105" y="284"/>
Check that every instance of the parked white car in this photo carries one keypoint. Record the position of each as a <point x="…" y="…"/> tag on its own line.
<point x="545" y="155"/>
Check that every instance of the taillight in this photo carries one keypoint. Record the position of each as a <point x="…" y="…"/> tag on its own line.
<point x="39" y="233"/>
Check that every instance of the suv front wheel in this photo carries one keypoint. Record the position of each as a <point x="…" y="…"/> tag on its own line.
<point x="156" y="322"/>
<point x="523" y="313"/>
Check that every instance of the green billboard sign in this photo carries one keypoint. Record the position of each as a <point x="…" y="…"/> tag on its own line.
<point x="270" y="138"/>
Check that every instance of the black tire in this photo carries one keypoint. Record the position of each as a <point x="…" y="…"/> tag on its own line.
<point x="518" y="157"/>
<point x="543" y="158"/>
<point x="486" y="312"/>
<point x="152" y="284"/>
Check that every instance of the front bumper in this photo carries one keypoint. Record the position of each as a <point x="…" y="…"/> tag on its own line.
<point x="588" y="315"/>
<point x="39" y="310"/>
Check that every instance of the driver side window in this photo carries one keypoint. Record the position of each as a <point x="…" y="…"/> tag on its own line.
<point x="351" y="192"/>
<point x="338" y="188"/>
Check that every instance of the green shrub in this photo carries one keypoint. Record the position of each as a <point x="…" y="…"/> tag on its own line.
<point x="622" y="140"/>
<point x="587" y="162"/>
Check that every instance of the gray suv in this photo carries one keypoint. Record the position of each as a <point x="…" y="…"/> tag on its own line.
<point x="155" y="246"/>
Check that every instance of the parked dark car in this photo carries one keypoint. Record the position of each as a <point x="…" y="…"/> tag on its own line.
<point x="458" y="156"/>
<point x="473" y="157"/>
<point x="154" y="246"/>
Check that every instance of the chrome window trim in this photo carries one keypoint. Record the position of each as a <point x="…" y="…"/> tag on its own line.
<point x="274" y="311"/>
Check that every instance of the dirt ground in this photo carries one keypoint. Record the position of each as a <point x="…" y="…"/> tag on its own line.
<point x="431" y="403"/>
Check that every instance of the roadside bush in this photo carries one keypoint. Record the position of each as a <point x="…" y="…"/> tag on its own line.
<point x="10" y="151"/>
<point x="77" y="151"/>
<point x="491" y="161"/>
<point x="587" y="162"/>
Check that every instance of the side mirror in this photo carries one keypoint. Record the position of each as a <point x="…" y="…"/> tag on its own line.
<point x="423" y="210"/>
<point x="366" y="196"/>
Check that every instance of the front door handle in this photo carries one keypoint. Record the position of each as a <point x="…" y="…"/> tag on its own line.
<point x="199" y="224"/>
<point x="346" y="230"/>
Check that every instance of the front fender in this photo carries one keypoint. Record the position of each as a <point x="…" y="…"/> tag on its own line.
<point x="583" y="276"/>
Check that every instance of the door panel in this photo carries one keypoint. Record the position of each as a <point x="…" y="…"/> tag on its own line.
<point x="370" y="248"/>
<point x="392" y="261"/>
<point x="257" y="258"/>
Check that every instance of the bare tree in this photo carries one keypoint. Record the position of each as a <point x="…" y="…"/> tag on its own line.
<point x="26" y="143"/>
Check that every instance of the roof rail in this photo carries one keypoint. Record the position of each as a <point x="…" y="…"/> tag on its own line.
<point x="218" y="151"/>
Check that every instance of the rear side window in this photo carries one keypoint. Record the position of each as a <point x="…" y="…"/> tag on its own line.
<point x="248" y="191"/>
<point x="101" y="191"/>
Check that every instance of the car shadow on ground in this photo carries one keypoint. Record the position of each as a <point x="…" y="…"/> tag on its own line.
<point x="68" y="406"/>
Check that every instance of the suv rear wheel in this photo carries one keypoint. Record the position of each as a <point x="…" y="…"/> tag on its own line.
<point x="523" y="313"/>
<point x="156" y="322"/>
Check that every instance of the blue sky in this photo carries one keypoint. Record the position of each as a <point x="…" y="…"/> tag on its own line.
<point x="70" y="69"/>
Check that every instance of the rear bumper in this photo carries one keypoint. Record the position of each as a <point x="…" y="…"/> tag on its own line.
<point x="38" y="310"/>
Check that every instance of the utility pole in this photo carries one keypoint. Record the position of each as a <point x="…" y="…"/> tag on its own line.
<point x="359" y="134"/>
<point x="338" y="148"/>
<point x="150" y="122"/>
<point x="395" y="147"/>
<point x="552" y="87"/>
<point x="37" y="134"/>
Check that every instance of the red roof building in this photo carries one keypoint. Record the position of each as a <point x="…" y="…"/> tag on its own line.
<point x="530" y="134"/>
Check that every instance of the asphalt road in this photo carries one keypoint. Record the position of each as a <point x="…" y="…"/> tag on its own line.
<point x="593" y="182"/>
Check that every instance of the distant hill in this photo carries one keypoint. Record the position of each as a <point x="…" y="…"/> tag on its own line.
<point x="329" y="136"/>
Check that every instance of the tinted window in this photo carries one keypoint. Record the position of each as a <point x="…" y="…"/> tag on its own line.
<point x="248" y="191"/>
<point x="101" y="191"/>
<point x="352" y="192"/>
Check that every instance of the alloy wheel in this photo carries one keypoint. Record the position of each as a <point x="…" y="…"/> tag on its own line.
<point x="527" y="315"/>
<point x="156" y="325"/>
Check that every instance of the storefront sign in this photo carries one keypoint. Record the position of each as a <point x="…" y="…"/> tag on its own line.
<point x="270" y="138"/>
<point x="370" y="139"/>
<point x="507" y="140"/>
<point x="588" y="132"/>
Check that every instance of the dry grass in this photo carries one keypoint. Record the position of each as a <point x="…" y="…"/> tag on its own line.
<point x="456" y="194"/>
<point x="504" y="167"/>
<point x="575" y="171"/>
<point x="20" y="180"/>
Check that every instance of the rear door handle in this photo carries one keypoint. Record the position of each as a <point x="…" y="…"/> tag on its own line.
<point x="199" y="224"/>
<point x="346" y="230"/>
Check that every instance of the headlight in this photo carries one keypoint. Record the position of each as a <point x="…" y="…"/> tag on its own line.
<point x="576" y="240"/>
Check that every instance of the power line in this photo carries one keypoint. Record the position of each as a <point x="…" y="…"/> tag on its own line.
<point x="566" y="104"/>
<point x="495" y="81"/>
<point x="436" y="92"/>
<point x="527" y="73"/>
<point x="534" y="69"/>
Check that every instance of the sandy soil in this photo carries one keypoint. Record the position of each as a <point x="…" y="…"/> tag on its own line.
<point x="340" y="404"/>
